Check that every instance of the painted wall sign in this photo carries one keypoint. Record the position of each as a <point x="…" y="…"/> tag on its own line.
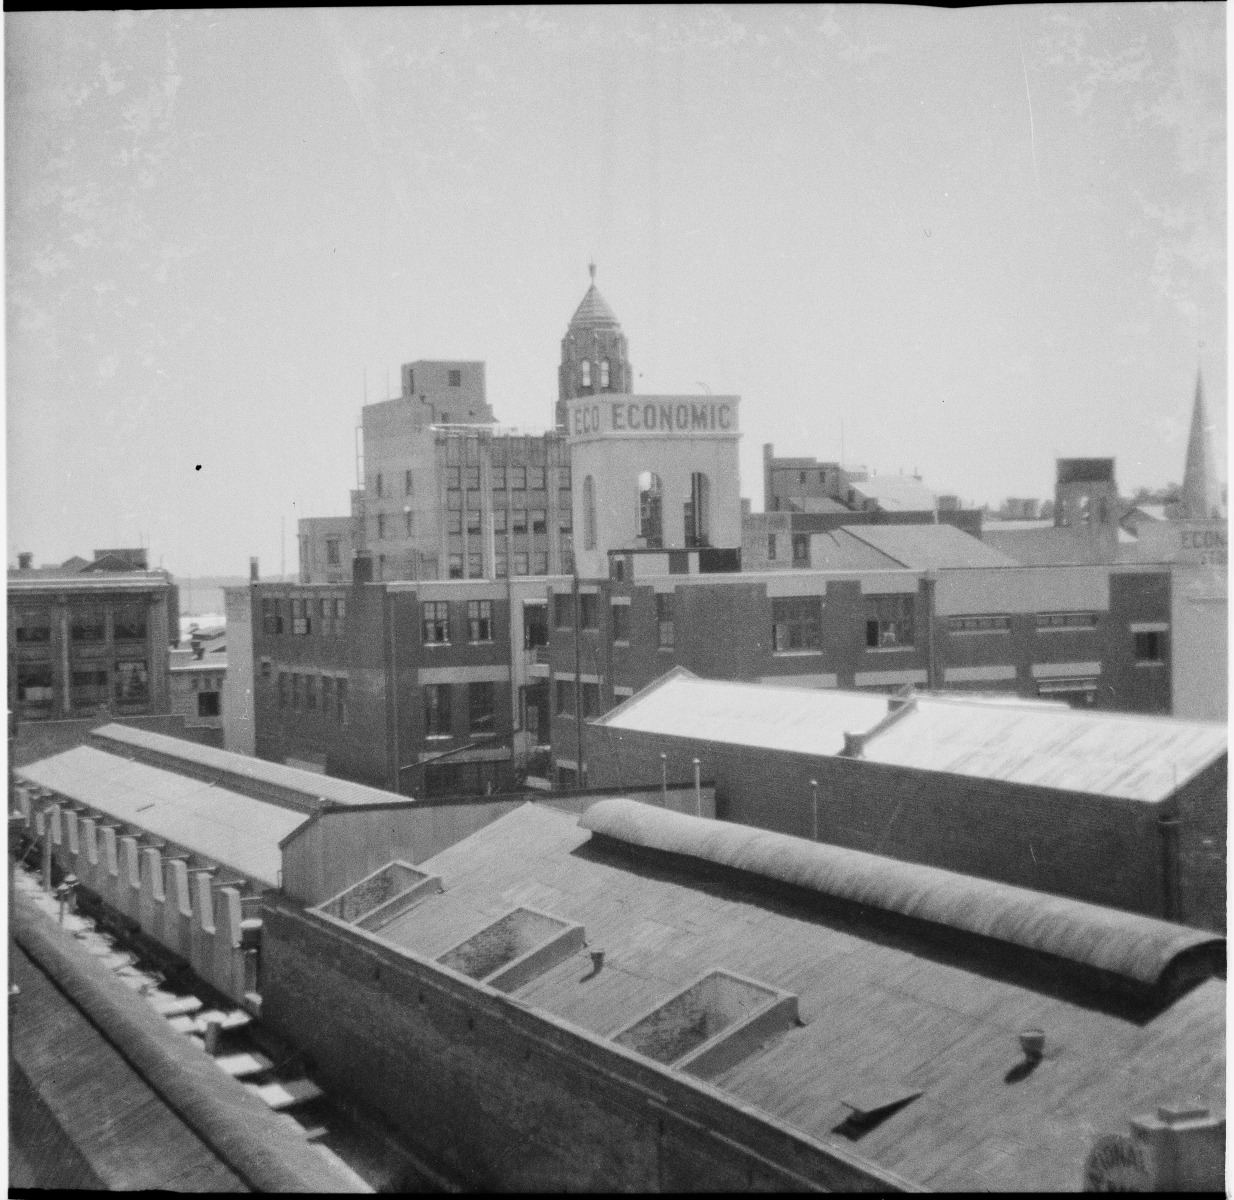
<point x="667" y="415"/>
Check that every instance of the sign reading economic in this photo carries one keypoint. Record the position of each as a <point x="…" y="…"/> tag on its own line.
<point x="666" y="415"/>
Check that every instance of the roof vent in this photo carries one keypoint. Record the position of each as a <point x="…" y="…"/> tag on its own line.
<point x="516" y="949"/>
<point x="382" y="896"/>
<point x="712" y="1024"/>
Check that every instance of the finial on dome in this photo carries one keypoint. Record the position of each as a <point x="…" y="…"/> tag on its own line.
<point x="592" y="268"/>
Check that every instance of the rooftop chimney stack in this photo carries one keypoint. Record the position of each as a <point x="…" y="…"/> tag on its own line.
<point x="25" y="561"/>
<point x="254" y="574"/>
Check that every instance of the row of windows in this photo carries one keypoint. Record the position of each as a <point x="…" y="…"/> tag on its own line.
<point x="127" y="682"/>
<point x="435" y="621"/>
<point x="514" y="479"/>
<point x="35" y="629"/>
<point x="302" y="616"/>
<point x="481" y="710"/>
<point x="995" y="622"/>
<point x="515" y="520"/>
<point x="800" y="545"/>
<point x="326" y="694"/>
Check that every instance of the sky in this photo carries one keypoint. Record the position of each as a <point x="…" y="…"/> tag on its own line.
<point x="956" y="242"/>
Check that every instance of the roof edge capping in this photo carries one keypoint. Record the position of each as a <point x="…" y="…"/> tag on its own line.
<point x="1136" y="947"/>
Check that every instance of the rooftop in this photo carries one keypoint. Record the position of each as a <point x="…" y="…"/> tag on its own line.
<point x="912" y="1032"/>
<point x="929" y="547"/>
<point x="1111" y="754"/>
<point x="594" y="312"/>
<point x="901" y="493"/>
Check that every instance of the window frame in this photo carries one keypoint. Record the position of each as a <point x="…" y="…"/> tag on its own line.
<point x="435" y="622"/>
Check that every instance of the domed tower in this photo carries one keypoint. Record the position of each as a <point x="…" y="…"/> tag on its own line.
<point x="594" y="355"/>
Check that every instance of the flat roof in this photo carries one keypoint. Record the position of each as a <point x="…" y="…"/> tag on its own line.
<point x="1112" y="754"/>
<point x="890" y="1012"/>
<point x="929" y="547"/>
<point x="232" y="830"/>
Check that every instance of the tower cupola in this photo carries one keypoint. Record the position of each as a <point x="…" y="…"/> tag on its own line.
<point x="594" y="354"/>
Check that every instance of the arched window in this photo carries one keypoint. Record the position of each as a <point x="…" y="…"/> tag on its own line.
<point x="604" y="372"/>
<point x="586" y="373"/>
<point x="650" y="510"/>
<point x="697" y="511"/>
<point x="589" y="513"/>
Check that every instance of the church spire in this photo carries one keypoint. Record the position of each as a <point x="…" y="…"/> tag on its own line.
<point x="1201" y="498"/>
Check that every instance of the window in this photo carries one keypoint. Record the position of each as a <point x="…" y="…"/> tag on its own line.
<point x="407" y="484"/>
<point x="621" y="622"/>
<point x="797" y="623"/>
<point x="455" y="567"/>
<point x="453" y="478"/>
<point x="454" y="521"/>
<point x="589" y="610"/>
<point x="518" y="479"/>
<point x="266" y="668"/>
<point x="586" y="369"/>
<point x="380" y="487"/>
<point x="1150" y="647"/>
<point x="271" y="617"/>
<point x="566" y="521"/>
<point x="591" y="700"/>
<point x="1067" y="620"/>
<point x="87" y="627"/>
<point x="500" y="569"/>
<point x="33" y="629"/>
<point x="475" y="565"/>
<point x="563" y="611"/>
<point x="480" y="620"/>
<point x="341" y="710"/>
<point x="563" y="479"/>
<point x="539" y="521"/>
<point x="325" y="608"/>
<point x="801" y="549"/>
<point x="471" y="477"/>
<point x="535" y="478"/>
<point x="436" y="621"/>
<point x="535" y="626"/>
<point x="473" y="522"/>
<point x="130" y="625"/>
<point x="340" y="609"/>
<point x="208" y="704"/>
<point x="381" y="526"/>
<point x="889" y="621"/>
<point x="89" y="688"/>
<point x="589" y="513"/>
<point x="332" y="552"/>
<point x="771" y="546"/>
<point x="297" y="690"/>
<point x="991" y="623"/>
<point x="437" y="710"/>
<point x="697" y="517"/>
<point x="310" y="693"/>
<point x="499" y="479"/>
<point x="650" y="521"/>
<point x="456" y="378"/>
<point x="327" y="696"/>
<point x="301" y="624"/>
<point x="518" y="520"/>
<point x="132" y="681"/>
<point x="480" y="705"/>
<point x="520" y="564"/>
<point x="604" y="372"/>
<point x="499" y="520"/>
<point x="539" y="562"/>
<point x="34" y="685"/>
<point x="664" y="619"/>
<point x="565" y="698"/>
<point x="381" y="566"/>
<point x="409" y="525"/>
<point x="284" y="689"/>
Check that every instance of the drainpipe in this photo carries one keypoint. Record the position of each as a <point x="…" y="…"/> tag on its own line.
<point x="578" y="682"/>
<point x="1167" y="828"/>
<point x="928" y="583"/>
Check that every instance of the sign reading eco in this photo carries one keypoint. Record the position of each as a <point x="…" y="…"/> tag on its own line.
<point x="669" y="415"/>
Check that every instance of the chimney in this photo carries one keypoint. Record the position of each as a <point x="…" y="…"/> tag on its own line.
<point x="254" y="574"/>
<point x="25" y="561"/>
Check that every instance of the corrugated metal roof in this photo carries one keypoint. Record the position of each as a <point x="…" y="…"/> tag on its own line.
<point x="1112" y="754"/>
<point x="1109" y="939"/>
<point x="929" y="547"/>
<point x="888" y="1008"/>
<point x="310" y="783"/>
<point x="233" y="830"/>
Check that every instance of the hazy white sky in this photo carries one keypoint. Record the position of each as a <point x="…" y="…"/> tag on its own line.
<point x="978" y="238"/>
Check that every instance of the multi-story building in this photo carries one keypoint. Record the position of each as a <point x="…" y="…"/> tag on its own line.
<point x="90" y="638"/>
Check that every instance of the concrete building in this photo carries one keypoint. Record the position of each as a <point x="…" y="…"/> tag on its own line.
<point x="239" y="718"/>
<point x="89" y="641"/>
<point x="643" y="1000"/>
<point x="1110" y="808"/>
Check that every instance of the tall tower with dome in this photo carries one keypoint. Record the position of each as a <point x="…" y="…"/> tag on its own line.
<point x="594" y="355"/>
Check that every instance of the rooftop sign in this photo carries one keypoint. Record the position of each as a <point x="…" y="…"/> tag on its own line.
<point x="663" y="416"/>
